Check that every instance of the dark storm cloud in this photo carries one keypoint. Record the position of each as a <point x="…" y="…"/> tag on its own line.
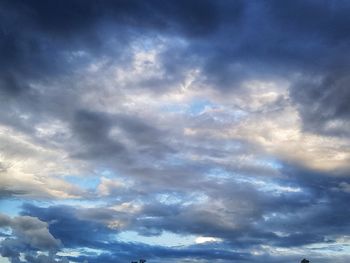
<point x="220" y="21"/>
<point x="283" y="40"/>
<point x="230" y="41"/>
<point x="35" y="37"/>
<point x="47" y="15"/>
<point x="37" y="43"/>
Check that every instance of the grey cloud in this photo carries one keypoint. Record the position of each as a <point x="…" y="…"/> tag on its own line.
<point x="230" y="42"/>
<point x="4" y="220"/>
<point x="242" y="238"/>
<point x="28" y="234"/>
<point x="133" y="136"/>
<point x="323" y="103"/>
<point x="232" y="212"/>
<point x="92" y="129"/>
<point x="31" y="231"/>
<point x="10" y="248"/>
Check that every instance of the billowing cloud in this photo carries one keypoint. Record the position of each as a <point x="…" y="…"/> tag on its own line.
<point x="29" y="234"/>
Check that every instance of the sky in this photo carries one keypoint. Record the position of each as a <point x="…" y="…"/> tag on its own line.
<point x="174" y="131"/>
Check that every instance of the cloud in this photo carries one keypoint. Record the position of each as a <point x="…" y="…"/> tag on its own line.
<point x="28" y="234"/>
<point x="200" y="240"/>
<point x="31" y="231"/>
<point x="322" y="103"/>
<point x="45" y="259"/>
<point x="222" y="121"/>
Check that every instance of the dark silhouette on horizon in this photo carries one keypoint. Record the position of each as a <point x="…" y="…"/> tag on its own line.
<point x="144" y="260"/>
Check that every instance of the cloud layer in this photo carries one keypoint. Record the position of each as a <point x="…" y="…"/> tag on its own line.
<point x="178" y="130"/>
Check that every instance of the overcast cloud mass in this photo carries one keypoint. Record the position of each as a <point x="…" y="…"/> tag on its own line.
<point x="177" y="131"/>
